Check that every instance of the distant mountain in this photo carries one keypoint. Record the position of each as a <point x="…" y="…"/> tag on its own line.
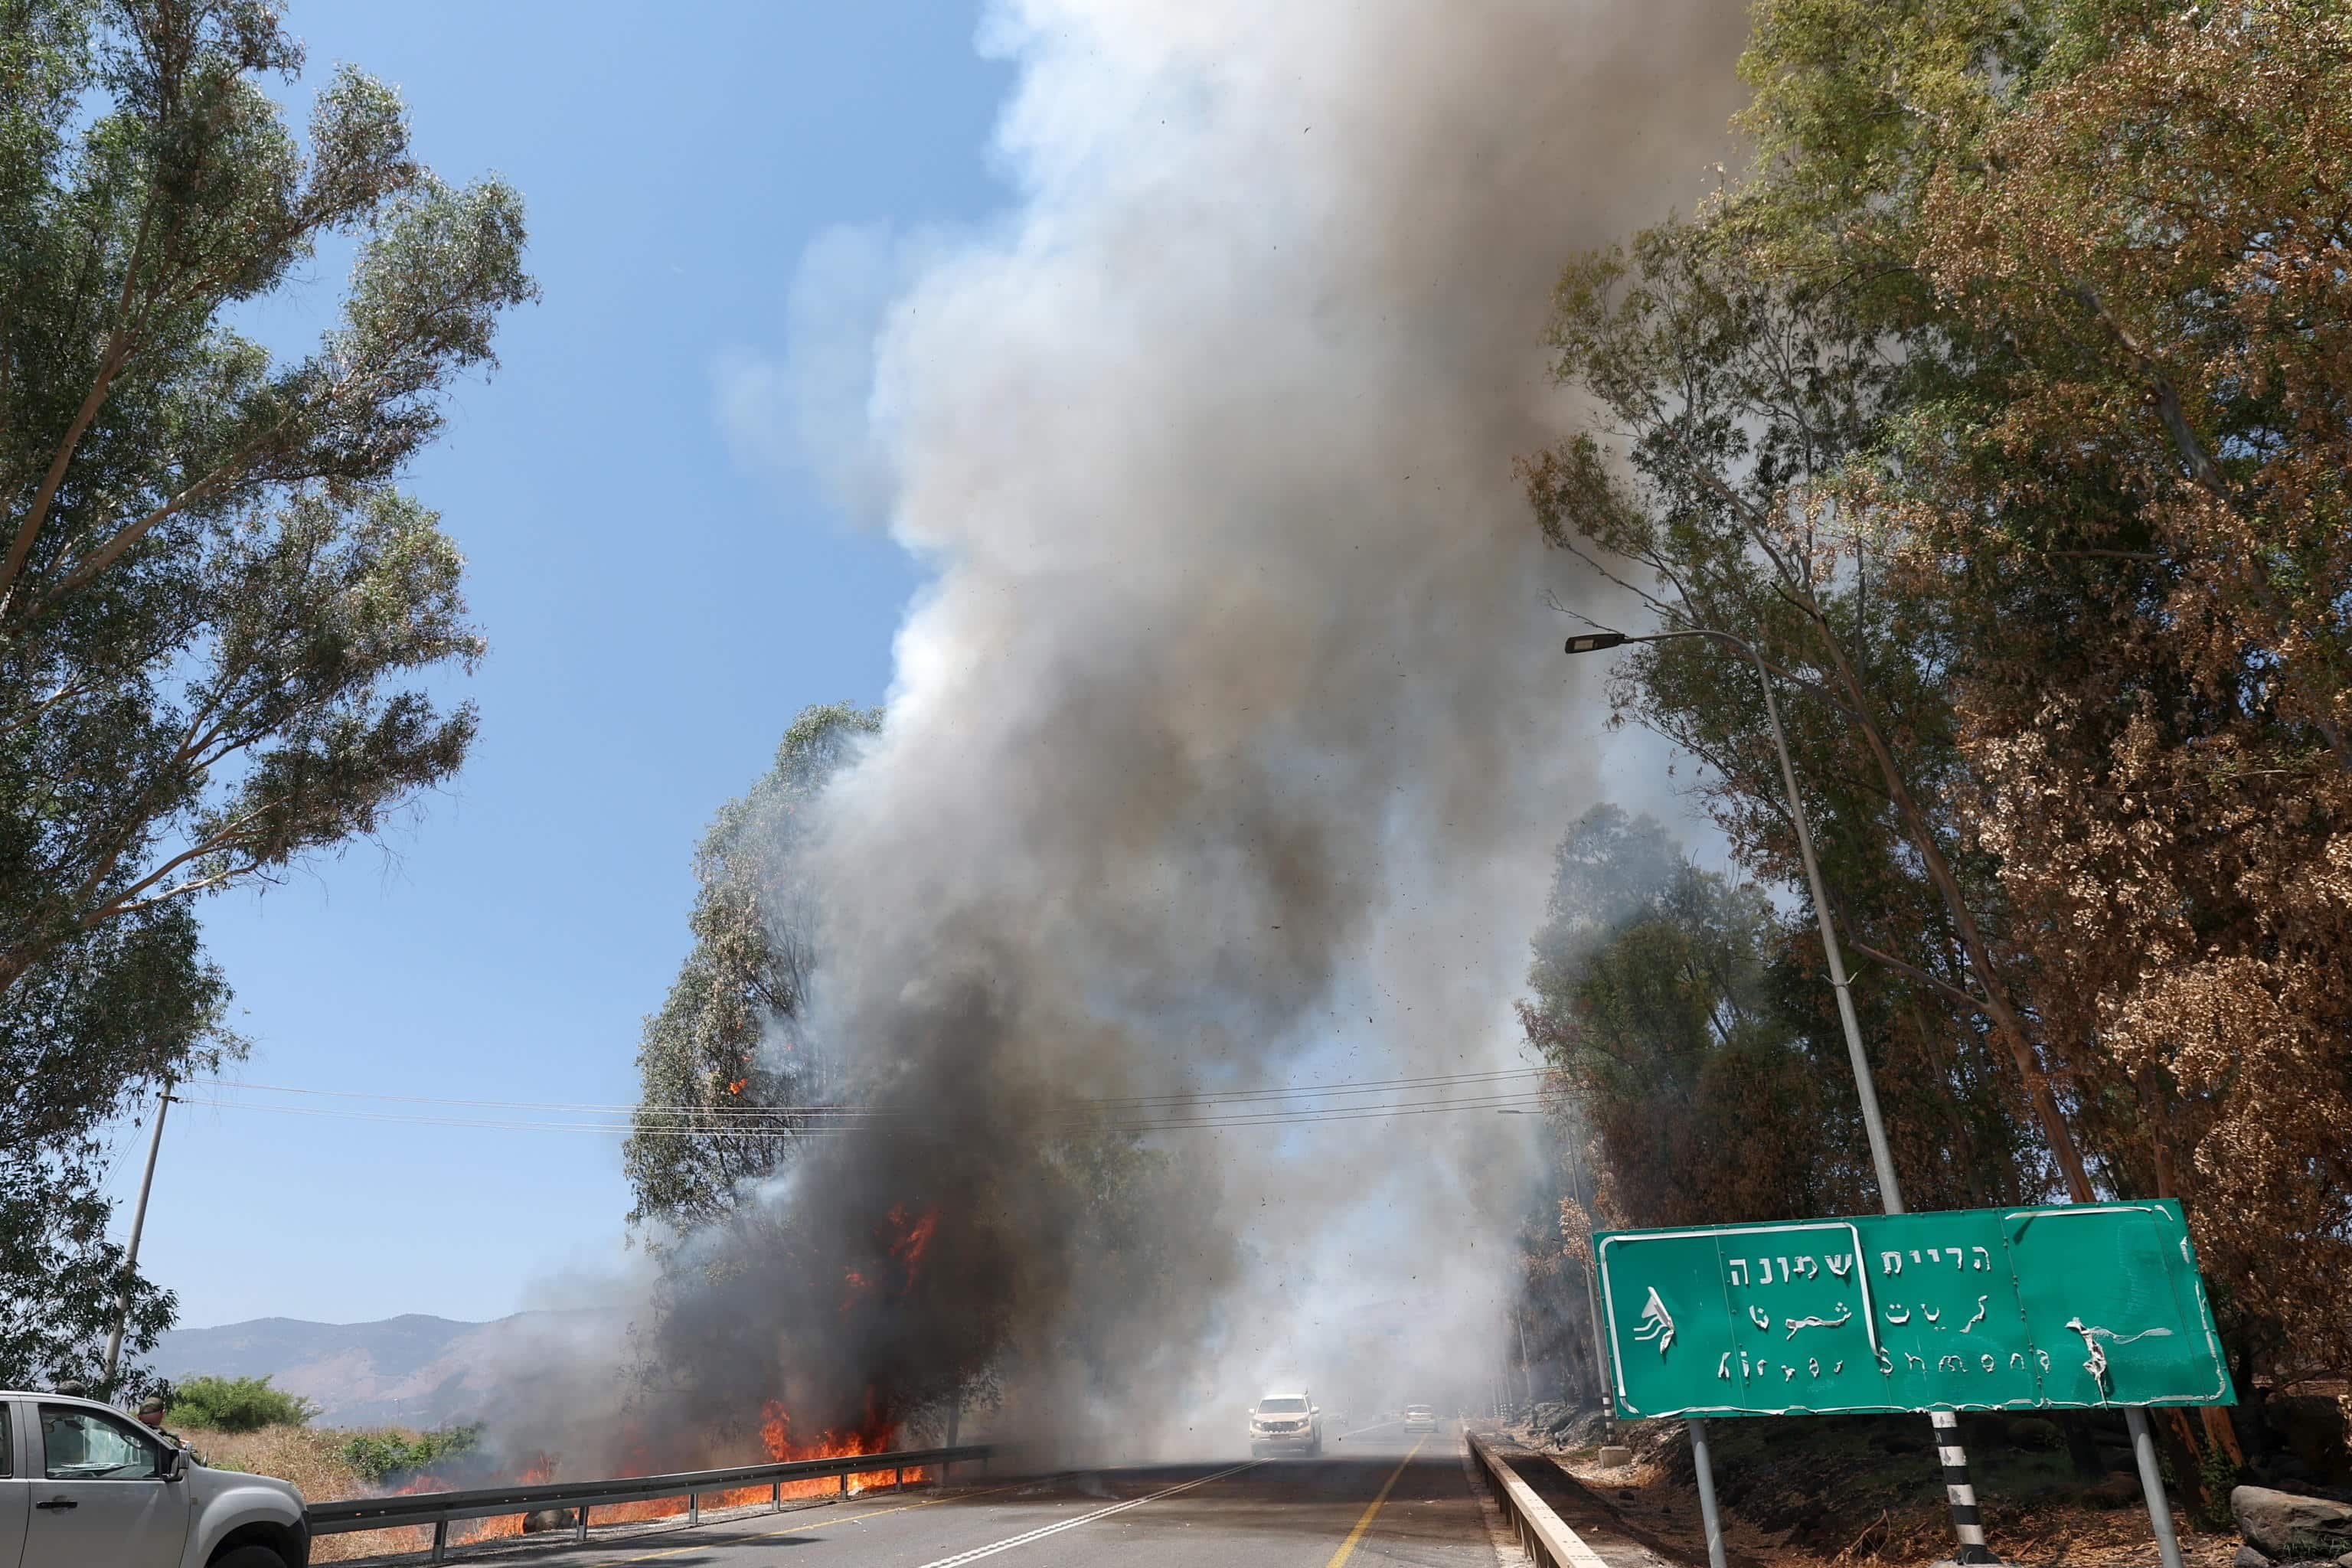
<point x="409" y="1371"/>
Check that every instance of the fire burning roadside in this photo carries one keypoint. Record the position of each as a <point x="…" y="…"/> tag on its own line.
<point x="776" y="1441"/>
<point x="775" y="1433"/>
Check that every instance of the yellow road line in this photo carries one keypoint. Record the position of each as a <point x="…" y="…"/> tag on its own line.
<point x="799" y="1528"/>
<point x="1347" y="1547"/>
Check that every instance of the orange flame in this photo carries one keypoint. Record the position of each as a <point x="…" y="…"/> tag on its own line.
<point x="776" y="1433"/>
<point x="467" y="1531"/>
<point x="912" y="1238"/>
<point x="737" y="1086"/>
<point x="775" y="1436"/>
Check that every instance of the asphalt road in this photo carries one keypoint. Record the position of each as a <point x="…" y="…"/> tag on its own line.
<point x="1381" y="1497"/>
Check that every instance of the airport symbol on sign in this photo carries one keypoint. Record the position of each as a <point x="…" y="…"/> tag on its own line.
<point x="2053" y="1308"/>
<point x="1657" y="1324"/>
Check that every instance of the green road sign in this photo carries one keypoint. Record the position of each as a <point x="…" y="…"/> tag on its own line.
<point x="2058" y="1307"/>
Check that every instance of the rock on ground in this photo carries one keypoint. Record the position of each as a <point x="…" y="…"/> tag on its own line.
<point x="2285" y="1524"/>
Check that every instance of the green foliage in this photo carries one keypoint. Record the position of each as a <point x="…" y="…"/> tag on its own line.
<point x="140" y="986"/>
<point x="378" y="1455"/>
<point x="1659" y="996"/>
<point x="728" y="1044"/>
<point x="235" y="1404"/>
<point x="219" y="621"/>
<point x="2219" y="1474"/>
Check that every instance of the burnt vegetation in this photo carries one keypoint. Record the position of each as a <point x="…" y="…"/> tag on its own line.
<point x="2006" y="406"/>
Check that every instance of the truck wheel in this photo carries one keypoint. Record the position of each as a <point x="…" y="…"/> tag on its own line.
<point x="249" y="1557"/>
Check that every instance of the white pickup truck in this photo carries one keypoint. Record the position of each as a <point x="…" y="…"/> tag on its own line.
<point x="1285" y="1419"/>
<point x="82" y="1485"/>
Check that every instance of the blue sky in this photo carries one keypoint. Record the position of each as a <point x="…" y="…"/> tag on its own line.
<point x="657" y="610"/>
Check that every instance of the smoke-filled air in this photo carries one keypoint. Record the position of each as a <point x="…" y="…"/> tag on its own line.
<point x="1234" y="983"/>
<point x="1225" y="745"/>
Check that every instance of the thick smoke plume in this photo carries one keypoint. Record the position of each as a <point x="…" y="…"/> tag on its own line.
<point x="1228" y="745"/>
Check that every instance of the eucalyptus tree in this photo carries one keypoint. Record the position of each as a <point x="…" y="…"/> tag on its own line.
<point x="219" y="619"/>
<point x="2005" y="405"/>
<point x="727" y="1066"/>
<point x="1665" y="997"/>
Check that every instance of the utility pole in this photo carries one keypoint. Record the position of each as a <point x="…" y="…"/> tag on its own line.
<point x="1958" y="1492"/>
<point x="1527" y="1373"/>
<point x="130" y="1253"/>
<point x="1592" y="1301"/>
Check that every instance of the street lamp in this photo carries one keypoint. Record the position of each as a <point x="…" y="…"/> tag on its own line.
<point x="1961" y="1493"/>
<point x="1890" y="1191"/>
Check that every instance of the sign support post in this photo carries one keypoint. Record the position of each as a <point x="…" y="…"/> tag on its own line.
<point x="2151" y="1481"/>
<point x="1704" y="1463"/>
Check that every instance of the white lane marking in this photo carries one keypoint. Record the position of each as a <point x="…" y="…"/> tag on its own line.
<point x="977" y="1553"/>
<point x="803" y="1529"/>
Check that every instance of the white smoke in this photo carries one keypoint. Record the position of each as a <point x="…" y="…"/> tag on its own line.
<point x="1228" y="745"/>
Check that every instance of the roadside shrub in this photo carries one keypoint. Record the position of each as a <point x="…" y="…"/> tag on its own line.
<point x="2219" y="1474"/>
<point x="235" y="1404"/>
<point x="376" y="1454"/>
<point x="2036" y="1435"/>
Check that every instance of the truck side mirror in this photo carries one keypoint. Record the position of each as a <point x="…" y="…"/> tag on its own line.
<point x="175" y="1464"/>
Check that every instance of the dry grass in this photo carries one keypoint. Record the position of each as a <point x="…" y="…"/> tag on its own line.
<point x="308" y="1457"/>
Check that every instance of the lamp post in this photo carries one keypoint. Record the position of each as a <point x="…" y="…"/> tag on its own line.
<point x="1890" y="1190"/>
<point x="1967" y="1523"/>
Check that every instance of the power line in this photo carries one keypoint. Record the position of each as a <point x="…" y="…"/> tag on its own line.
<point x="1292" y="1116"/>
<point x="1118" y="1121"/>
<point x="1195" y="1097"/>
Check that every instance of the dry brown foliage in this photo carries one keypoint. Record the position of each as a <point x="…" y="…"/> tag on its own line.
<point x="310" y="1459"/>
<point x="2159" y="563"/>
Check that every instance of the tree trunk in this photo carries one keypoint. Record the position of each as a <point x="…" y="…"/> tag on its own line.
<point x="2005" y="1019"/>
<point x="2177" y="1442"/>
<point x="2082" y="1447"/>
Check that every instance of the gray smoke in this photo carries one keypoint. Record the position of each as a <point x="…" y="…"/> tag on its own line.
<point x="1229" y="742"/>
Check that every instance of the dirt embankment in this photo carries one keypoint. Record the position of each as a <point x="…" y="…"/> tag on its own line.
<point x="1833" y="1491"/>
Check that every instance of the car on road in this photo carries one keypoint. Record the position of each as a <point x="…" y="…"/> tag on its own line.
<point x="82" y="1484"/>
<point x="1420" y="1419"/>
<point x="1285" y="1421"/>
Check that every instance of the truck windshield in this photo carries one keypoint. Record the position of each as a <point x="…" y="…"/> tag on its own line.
<point x="1281" y="1407"/>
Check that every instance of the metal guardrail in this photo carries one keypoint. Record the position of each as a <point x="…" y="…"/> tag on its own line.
<point x="1542" y="1534"/>
<point x="440" y="1509"/>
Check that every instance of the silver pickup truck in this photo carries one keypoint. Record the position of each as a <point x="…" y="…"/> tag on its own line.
<point x="81" y="1485"/>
